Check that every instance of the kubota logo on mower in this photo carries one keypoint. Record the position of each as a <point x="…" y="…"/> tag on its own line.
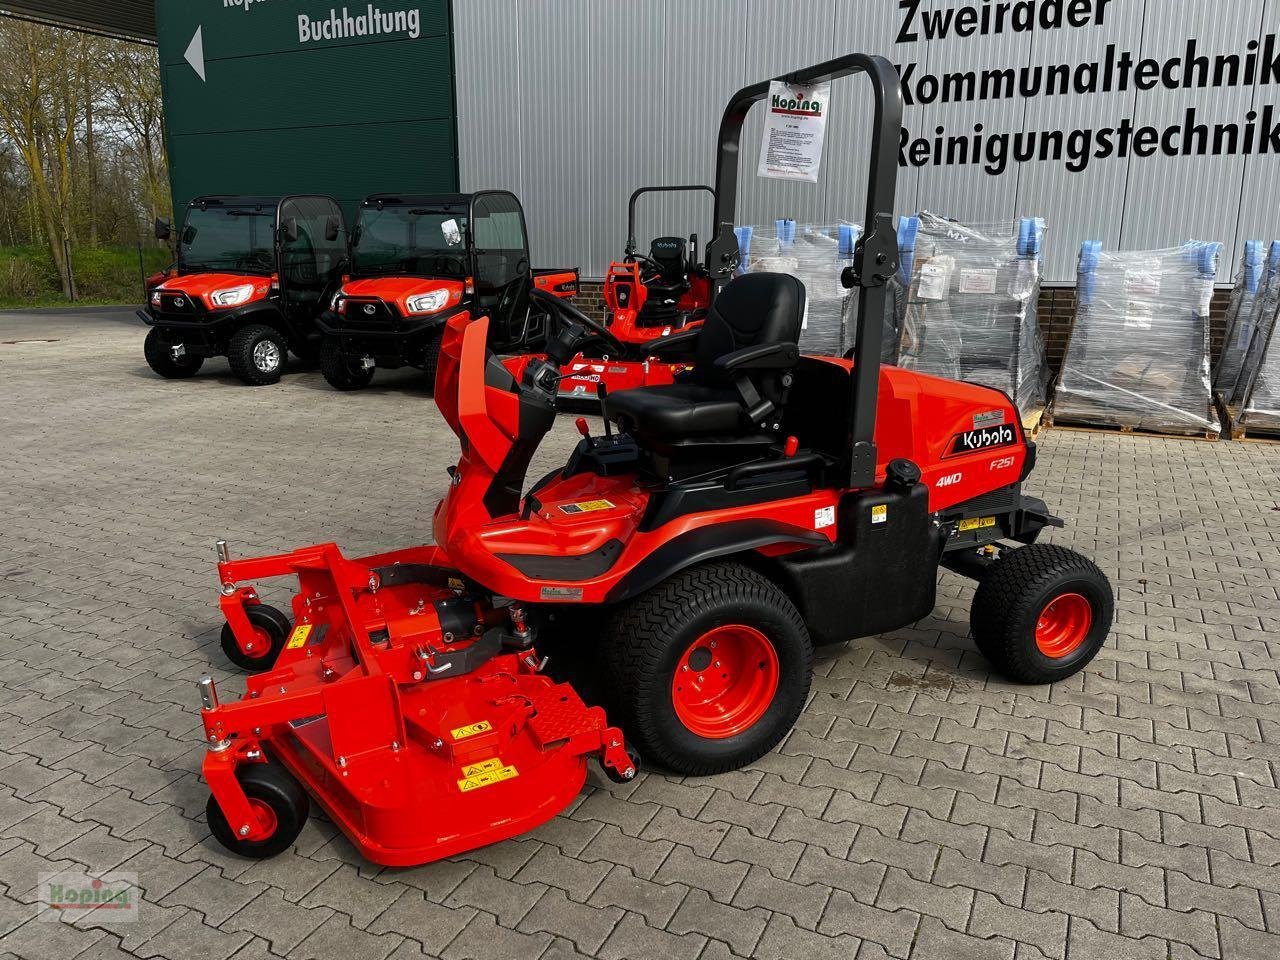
<point x="986" y="438"/>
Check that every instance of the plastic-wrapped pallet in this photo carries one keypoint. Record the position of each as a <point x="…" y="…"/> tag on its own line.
<point x="816" y="254"/>
<point x="1264" y="308"/>
<point x="1255" y="266"/>
<point x="1259" y="407"/>
<point x="1139" y="350"/>
<point x="970" y="311"/>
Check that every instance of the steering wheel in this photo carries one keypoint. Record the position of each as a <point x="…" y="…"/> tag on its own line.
<point x="563" y="310"/>
<point x="648" y="266"/>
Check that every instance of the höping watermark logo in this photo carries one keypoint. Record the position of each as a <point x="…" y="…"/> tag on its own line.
<point x="73" y="894"/>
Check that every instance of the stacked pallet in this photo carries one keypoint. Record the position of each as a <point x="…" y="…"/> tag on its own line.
<point x="1138" y="358"/>
<point x="970" y="307"/>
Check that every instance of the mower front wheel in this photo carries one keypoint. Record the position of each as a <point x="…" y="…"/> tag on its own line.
<point x="338" y="369"/>
<point x="1041" y="613"/>
<point x="270" y="629"/>
<point x="709" y="670"/>
<point x="279" y="803"/>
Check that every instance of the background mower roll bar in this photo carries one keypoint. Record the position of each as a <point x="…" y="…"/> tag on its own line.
<point x="631" y="208"/>
<point x="875" y="257"/>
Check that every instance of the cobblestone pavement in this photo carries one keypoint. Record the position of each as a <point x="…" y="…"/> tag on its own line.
<point x="922" y="808"/>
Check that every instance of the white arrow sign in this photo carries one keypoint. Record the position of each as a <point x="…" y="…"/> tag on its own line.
<point x="195" y="52"/>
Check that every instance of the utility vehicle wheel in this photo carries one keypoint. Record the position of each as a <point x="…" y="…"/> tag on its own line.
<point x="160" y="358"/>
<point x="431" y="359"/>
<point x="339" y="370"/>
<point x="279" y="803"/>
<point x="708" y="670"/>
<point x="1041" y="613"/>
<point x="270" y="630"/>
<point x="257" y="354"/>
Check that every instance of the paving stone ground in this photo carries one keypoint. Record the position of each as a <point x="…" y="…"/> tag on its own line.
<point x="922" y="808"/>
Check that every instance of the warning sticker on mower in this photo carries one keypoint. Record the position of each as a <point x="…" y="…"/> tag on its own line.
<point x="487" y="778"/>
<point x="586" y="506"/>
<point x="471" y="729"/>
<point x="484" y="766"/>
<point x="298" y="638"/>
<point x="824" y="517"/>
<point x="880" y="514"/>
<point x="976" y="523"/>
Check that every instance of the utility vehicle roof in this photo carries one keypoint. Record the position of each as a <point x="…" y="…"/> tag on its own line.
<point x="433" y="200"/>
<point x="225" y="201"/>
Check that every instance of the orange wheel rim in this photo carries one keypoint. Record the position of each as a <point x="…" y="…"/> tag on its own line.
<point x="1063" y="625"/>
<point x="259" y="645"/>
<point x="265" y="817"/>
<point x="725" y="681"/>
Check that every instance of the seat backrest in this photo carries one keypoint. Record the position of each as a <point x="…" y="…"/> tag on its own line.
<point x="752" y="309"/>
<point x="668" y="254"/>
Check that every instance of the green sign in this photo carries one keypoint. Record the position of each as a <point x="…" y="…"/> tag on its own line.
<point x="271" y="97"/>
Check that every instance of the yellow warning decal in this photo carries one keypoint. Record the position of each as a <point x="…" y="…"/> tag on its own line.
<point x="299" y="636"/>
<point x="456" y="583"/>
<point x="880" y="514"/>
<point x="586" y="506"/>
<point x="487" y="779"/>
<point x="976" y="523"/>
<point x="484" y="766"/>
<point x="471" y="729"/>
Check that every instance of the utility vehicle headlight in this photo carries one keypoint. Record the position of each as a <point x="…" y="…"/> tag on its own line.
<point x="232" y="296"/>
<point x="428" y="302"/>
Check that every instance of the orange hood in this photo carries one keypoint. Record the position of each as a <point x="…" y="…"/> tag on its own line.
<point x="398" y="290"/>
<point x="205" y="285"/>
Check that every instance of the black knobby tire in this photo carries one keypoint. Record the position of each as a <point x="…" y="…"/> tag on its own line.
<point x="247" y="352"/>
<point x="1014" y="594"/>
<point x="337" y="368"/>
<point x="274" y="624"/>
<point x="160" y="359"/>
<point x="647" y="639"/>
<point x="270" y="784"/>
<point x="431" y="359"/>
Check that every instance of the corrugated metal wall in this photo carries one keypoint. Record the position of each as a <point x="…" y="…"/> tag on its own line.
<point x="574" y="103"/>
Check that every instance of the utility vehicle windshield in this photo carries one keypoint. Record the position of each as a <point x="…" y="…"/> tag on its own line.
<point x="410" y="239"/>
<point x="229" y="238"/>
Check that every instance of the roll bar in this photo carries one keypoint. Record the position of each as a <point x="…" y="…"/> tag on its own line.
<point x="631" y="208"/>
<point x="875" y="257"/>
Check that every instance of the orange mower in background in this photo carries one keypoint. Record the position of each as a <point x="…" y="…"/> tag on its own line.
<point x="417" y="261"/>
<point x="655" y="304"/>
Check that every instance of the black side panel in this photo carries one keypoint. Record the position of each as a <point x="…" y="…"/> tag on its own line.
<point x="588" y="566"/>
<point x="882" y="575"/>
<point x="707" y="543"/>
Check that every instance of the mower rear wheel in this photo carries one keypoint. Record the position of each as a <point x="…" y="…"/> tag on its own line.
<point x="270" y="628"/>
<point x="160" y="358"/>
<point x="279" y="803"/>
<point x="338" y="369"/>
<point x="1041" y="613"/>
<point x="709" y="670"/>
<point x="258" y="354"/>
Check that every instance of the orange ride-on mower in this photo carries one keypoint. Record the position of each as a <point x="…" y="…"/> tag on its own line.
<point x="654" y="304"/>
<point x="691" y="556"/>
<point x="415" y="261"/>
<point x="252" y="276"/>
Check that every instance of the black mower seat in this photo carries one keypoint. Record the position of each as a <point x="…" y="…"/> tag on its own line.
<point x="752" y="313"/>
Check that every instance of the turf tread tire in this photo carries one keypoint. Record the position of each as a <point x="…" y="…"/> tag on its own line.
<point x="240" y="354"/>
<point x="638" y="643"/>
<point x="1010" y="597"/>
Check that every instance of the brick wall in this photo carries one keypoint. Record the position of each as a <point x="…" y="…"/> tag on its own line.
<point x="1057" y="311"/>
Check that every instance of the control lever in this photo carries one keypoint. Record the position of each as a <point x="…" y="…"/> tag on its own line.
<point x="603" y="393"/>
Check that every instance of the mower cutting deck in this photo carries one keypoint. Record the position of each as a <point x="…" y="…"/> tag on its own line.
<point x="418" y="718"/>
